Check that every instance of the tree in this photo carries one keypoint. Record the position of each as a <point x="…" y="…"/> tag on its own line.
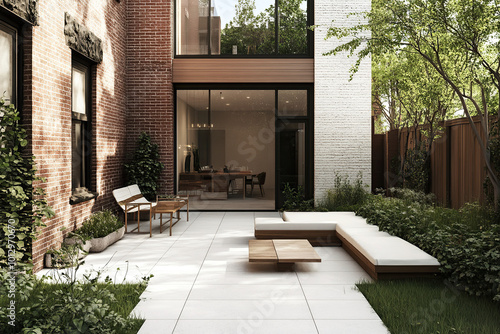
<point x="459" y="39"/>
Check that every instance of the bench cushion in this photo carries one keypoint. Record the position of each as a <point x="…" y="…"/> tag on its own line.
<point x="385" y="250"/>
<point x="316" y="216"/>
<point x="277" y="224"/>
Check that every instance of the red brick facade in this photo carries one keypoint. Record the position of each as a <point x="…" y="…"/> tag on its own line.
<point x="131" y="92"/>
<point x="150" y="101"/>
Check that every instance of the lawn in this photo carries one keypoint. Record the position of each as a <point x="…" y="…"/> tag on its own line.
<point x="430" y="306"/>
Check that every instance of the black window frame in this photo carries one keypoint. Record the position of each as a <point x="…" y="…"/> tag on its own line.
<point x="308" y="120"/>
<point x="276" y="54"/>
<point x="14" y="32"/>
<point x="85" y="123"/>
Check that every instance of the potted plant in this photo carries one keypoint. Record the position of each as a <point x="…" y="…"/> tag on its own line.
<point x="101" y="229"/>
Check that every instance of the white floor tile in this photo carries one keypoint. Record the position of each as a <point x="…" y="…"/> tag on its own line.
<point x="246" y="292"/>
<point x="254" y="325"/>
<point x="158" y="309"/>
<point x="342" y="310"/>
<point x="332" y="292"/>
<point x="246" y="309"/>
<point x="157" y="327"/>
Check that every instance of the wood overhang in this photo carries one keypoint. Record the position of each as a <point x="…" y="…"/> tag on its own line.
<point x="289" y="70"/>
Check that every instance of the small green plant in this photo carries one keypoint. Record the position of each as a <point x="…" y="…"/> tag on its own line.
<point x="413" y="196"/>
<point x="99" y="225"/>
<point x="22" y="206"/>
<point x="295" y="199"/>
<point x="145" y="168"/>
<point x="345" y="196"/>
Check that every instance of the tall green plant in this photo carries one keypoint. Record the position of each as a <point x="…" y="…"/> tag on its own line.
<point x="22" y="206"/>
<point x="144" y="170"/>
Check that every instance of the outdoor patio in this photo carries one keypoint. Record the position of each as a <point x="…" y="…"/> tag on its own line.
<point x="203" y="282"/>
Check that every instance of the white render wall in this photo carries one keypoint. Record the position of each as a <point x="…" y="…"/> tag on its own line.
<point x="342" y="108"/>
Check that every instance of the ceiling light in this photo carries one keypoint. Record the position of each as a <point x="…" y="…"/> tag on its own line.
<point x="248" y="97"/>
<point x="227" y="104"/>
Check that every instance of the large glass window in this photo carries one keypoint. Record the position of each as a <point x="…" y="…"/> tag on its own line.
<point x="242" y="27"/>
<point x="80" y="125"/>
<point x="236" y="149"/>
<point x="8" y="66"/>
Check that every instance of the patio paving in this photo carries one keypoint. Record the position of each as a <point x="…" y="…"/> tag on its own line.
<point x="203" y="282"/>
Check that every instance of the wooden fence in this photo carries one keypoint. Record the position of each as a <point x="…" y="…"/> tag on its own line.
<point x="457" y="166"/>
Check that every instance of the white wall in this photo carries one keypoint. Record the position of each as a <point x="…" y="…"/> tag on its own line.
<point x="342" y="108"/>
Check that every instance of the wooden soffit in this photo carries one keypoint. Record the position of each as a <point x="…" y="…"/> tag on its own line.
<point x="198" y="70"/>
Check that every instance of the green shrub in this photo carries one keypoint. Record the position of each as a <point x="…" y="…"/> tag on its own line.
<point x="410" y="195"/>
<point x="99" y="225"/>
<point x="22" y="206"/>
<point x="295" y="199"/>
<point x="144" y="170"/>
<point x="469" y="251"/>
<point x="73" y="307"/>
<point x="345" y="196"/>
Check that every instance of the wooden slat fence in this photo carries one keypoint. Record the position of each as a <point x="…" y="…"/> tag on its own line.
<point x="457" y="167"/>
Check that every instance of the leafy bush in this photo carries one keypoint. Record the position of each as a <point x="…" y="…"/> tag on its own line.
<point x="99" y="225"/>
<point x="410" y="195"/>
<point x="295" y="199"/>
<point x="345" y="196"/>
<point x="73" y="307"/>
<point x="144" y="170"/>
<point x="22" y="206"/>
<point x="468" y="250"/>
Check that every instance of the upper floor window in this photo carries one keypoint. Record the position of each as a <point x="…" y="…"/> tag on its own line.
<point x="243" y="27"/>
<point x="8" y="63"/>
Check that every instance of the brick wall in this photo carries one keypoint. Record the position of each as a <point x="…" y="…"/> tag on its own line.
<point x="342" y="108"/>
<point x="150" y="101"/>
<point x="47" y="107"/>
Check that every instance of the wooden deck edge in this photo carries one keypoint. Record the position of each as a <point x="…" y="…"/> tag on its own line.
<point x="315" y="237"/>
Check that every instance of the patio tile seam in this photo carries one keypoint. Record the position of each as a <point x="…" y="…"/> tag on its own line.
<point x="307" y="302"/>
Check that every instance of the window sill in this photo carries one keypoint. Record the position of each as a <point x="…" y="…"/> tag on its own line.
<point x="81" y="195"/>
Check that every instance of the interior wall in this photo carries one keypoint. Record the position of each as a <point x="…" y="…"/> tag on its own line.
<point x="249" y="140"/>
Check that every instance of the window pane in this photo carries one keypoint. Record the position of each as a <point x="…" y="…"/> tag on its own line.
<point x="292" y="103"/>
<point x="192" y="27"/>
<point x="247" y="26"/>
<point x="292" y="27"/>
<point x="6" y="66"/>
<point x="78" y="100"/>
<point x="77" y="155"/>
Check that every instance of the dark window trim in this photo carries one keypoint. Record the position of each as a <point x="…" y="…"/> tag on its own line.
<point x="275" y="55"/>
<point x="84" y="193"/>
<point x="16" y="61"/>
<point x="308" y="120"/>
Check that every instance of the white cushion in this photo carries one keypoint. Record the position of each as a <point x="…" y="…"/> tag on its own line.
<point x="134" y="190"/>
<point x="316" y="216"/>
<point x="342" y="217"/>
<point x="345" y="230"/>
<point x="277" y="224"/>
<point x="391" y="251"/>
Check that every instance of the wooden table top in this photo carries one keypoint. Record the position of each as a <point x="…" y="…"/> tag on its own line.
<point x="282" y="251"/>
<point x="168" y="206"/>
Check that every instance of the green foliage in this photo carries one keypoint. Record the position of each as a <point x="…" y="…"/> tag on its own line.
<point x="144" y="170"/>
<point x="295" y="199"/>
<point x="22" y="206"/>
<point x="467" y="246"/>
<point x="87" y="307"/>
<point x="413" y="196"/>
<point x="430" y="306"/>
<point x="345" y="196"/>
<point x="99" y="225"/>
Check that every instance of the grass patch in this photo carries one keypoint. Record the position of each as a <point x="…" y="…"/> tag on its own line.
<point x="430" y="306"/>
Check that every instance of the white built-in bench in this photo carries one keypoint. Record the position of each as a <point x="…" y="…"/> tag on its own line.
<point x="379" y="253"/>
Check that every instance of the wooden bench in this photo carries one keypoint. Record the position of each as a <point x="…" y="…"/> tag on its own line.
<point x="282" y="252"/>
<point x="131" y="200"/>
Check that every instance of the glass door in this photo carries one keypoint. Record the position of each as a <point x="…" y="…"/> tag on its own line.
<point x="294" y="157"/>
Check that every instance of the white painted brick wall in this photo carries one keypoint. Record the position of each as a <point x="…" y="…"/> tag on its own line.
<point x="342" y="108"/>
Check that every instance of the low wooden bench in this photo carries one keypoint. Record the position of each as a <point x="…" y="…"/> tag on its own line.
<point x="283" y="252"/>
